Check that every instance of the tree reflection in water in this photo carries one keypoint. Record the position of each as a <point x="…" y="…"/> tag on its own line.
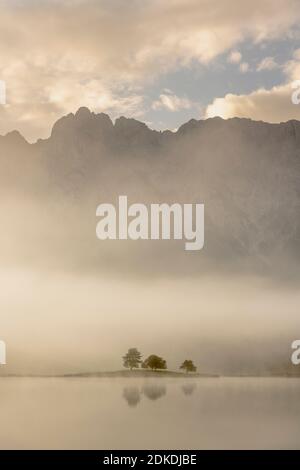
<point x="132" y="395"/>
<point x="154" y="392"/>
<point x="188" y="389"/>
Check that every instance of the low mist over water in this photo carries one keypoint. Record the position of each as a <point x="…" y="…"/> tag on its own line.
<point x="193" y="413"/>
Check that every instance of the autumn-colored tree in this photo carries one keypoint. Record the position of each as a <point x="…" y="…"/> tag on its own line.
<point x="154" y="362"/>
<point x="188" y="366"/>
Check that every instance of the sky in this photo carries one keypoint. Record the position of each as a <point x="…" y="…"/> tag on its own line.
<point x="159" y="62"/>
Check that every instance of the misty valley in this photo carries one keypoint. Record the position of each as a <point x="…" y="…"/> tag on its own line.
<point x="150" y="232"/>
<point x="91" y="299"/>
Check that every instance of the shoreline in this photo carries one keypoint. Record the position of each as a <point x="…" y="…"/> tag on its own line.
<point x="119" y="374"/>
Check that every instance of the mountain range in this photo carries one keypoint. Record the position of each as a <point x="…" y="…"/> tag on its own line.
<point x="246" y="173"/>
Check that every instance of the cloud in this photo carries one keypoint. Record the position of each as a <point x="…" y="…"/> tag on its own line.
<point x="244" y="67"/>
<point x="268" y="63"/>
<point x="273" y="105"/>
<point x="234" y="57"/>
<point x="57" y="56"/>
<point x="292" y="67"/>
<point x="171" y="102"/>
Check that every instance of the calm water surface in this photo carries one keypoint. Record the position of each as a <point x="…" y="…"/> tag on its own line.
<point x="101" y="413"/>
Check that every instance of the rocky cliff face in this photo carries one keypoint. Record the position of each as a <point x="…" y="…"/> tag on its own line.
<point x="246" y="173"/>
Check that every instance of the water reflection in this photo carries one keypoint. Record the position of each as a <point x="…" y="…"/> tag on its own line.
<point x="132" y="395"/>
<point x="188" y="389"/>
<point x="154" y="392"/>
<point x="151" y="391"/>
<point x="116" y="413"/>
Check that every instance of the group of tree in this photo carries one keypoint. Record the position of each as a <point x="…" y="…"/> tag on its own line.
<point x="133" y="360"/>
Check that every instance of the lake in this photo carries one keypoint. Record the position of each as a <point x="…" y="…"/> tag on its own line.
<point x="139" y="413"/>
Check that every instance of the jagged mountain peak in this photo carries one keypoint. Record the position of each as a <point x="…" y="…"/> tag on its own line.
<point x="89" y="124"/>
<point x="14" y="137"/>
<point x="83" y="113"/>
<point x="83" y="121"/>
